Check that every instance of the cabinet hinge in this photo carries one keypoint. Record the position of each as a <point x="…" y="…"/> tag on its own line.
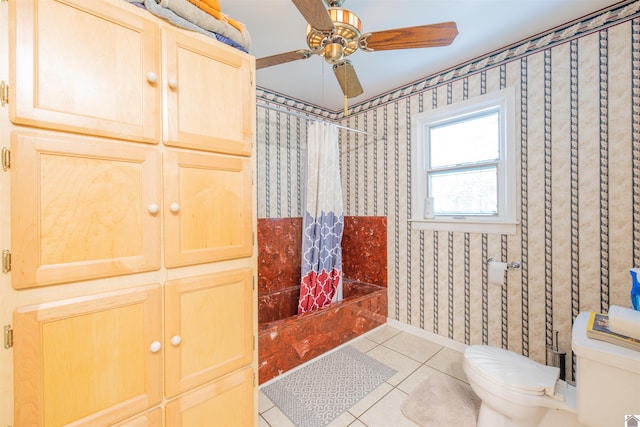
<point x="4" y="93"/>
<point x="6" y="159"/>
<point x="8" y="336"/>
<point x="254" y="282"/>
<point x="6" y="261"/>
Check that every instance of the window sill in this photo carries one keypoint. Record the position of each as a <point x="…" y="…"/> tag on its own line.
<point x="465" y="226"/>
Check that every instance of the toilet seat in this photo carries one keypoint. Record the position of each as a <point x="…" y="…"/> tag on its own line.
<point x="512" y="371"/>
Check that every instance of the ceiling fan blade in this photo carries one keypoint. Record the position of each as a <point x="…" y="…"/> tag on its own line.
<point x="348" y="79"/>
<point x="315" y="14"/>
<point x="282" y="58"/>
<point x="432" y="35"/>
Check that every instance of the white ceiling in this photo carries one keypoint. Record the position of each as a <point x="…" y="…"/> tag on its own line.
<point x="276" y="26"/>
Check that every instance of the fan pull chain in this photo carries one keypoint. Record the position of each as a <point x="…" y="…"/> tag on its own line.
<point x="346" y="105"/>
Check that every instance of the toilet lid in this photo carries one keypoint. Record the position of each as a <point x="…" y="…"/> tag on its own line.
<point x="511" y="370"/>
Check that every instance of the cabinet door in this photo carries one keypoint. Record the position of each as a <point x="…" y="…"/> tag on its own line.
<point x="208" y="328"/>
<point x="208" y="208"/>
<point x="150" y="419"/>
<point x="85" y="66"/>
<point x="225" y="402"/>
<point x="208" y="93"/>
<point x="82" y="208"/>
<point x="89" y="360"/>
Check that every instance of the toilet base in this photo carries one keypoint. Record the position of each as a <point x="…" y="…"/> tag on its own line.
<point x="488" y="417"/>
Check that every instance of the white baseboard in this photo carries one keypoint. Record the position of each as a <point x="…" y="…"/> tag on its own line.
<point x="447" y="342"/>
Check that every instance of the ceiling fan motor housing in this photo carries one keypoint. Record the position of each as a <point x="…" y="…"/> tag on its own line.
<point x="342" y="41"/>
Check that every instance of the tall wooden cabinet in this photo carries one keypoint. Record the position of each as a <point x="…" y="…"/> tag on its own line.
<point x="130" y="220"/>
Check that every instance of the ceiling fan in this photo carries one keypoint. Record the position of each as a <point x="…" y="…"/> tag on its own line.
<point x="335" y="33"/>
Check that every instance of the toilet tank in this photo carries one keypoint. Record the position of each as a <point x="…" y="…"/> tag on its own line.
<point x="607" y="379"/>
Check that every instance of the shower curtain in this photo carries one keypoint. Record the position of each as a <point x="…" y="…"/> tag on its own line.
<point x="323" y="220"/>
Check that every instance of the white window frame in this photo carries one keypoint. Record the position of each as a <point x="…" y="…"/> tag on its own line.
<point x="505" y="221"/>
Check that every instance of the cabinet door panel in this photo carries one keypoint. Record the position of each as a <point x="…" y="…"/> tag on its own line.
<point x="87" y="360"/>
<point x="208" y="94"/>
<point x="80" y="208"/>
<point x="212" y="316"/>
<point x="225" y="402"/>
<point x="208" y="208"/>
<point x="83" y="66"/>
<point x="150" y="419"/>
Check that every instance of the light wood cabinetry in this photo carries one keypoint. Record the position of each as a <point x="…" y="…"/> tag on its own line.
<point x="85" y="66"/>
<point x="204" y="113"/>
<point x="208" y="214"/>
<point x="149" y="419"/>
<point x="91" y="360"/>
<point x="208" y="328"/>
<point x="217" y="404"/>
<point x="132" y="220"/>
<point x="82" y="208"/>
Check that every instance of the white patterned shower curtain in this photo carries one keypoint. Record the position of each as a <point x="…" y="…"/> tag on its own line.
<point x="323" y="220"/>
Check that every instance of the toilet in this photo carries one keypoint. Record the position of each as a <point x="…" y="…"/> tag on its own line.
<point x="518" y="392"/>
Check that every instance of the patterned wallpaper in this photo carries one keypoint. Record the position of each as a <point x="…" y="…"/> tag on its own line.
<point x="578" y="139"/>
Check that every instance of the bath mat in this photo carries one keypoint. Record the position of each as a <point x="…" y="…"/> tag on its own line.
<point x="441" y="400"/>
<point x="316" y="394"/>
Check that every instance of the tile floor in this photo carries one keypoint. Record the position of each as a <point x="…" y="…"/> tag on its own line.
<point x="414" y="358"/>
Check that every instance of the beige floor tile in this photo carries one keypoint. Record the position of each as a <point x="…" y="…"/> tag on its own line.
<point x="415" y="347"/>
<point x="344" y="420"/>
<point x="363" y="344"/>
<point x="264" y="403"/>
<point x="382" y="334"/>
<point x="401" y="363"/>
<point x="262" y="422"/>
<point x="276" y="418"/>
<point x="357" y="423"/>
<point x="417" y="377"/>
<point x="387" y="412"/>
<point x="450" y="362"/>
<point x="370" y="400"/>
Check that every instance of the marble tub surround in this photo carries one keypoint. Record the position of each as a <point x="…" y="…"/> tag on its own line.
<point x="278" y="304"/>
<point x="287" y="340"/>
<point x="364" y="249"/>
<point x="286" y="343"/>
<point x="279" y="253"/>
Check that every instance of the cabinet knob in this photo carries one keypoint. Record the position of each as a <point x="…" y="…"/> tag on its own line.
<point x="173" y="84"/>
<point x="153" y="208"/>
<point x="152" y="77"/>
<point x="176" y="340"/>
<point x="155" y="346"/>
<point x="174" y="207"/>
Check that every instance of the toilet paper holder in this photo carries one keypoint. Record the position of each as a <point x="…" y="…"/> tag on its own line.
<point x="513" y="265"/>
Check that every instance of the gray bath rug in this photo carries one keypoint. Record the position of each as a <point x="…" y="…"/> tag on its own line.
<point x="316" y="394"/>
<point x="440" y="401"/>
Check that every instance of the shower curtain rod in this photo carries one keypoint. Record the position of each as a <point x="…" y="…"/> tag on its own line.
<point x="304" y="116"/>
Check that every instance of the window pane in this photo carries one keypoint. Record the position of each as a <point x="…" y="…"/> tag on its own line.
<point x="465" y="141"/>
<point x="470" y="192"/>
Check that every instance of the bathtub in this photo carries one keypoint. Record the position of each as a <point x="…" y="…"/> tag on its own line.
<point x="286" y="340"/>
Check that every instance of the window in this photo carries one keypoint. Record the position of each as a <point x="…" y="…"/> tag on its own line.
<point x="464" y="166"/>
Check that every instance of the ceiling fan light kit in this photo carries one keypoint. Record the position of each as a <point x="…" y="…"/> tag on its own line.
<point x="335" y="33"/>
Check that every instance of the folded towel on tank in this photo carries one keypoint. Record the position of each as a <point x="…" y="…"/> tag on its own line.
<point x="213" y="8"/>
<point x="198" y="17"/>
<point x="170" y="16"/>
